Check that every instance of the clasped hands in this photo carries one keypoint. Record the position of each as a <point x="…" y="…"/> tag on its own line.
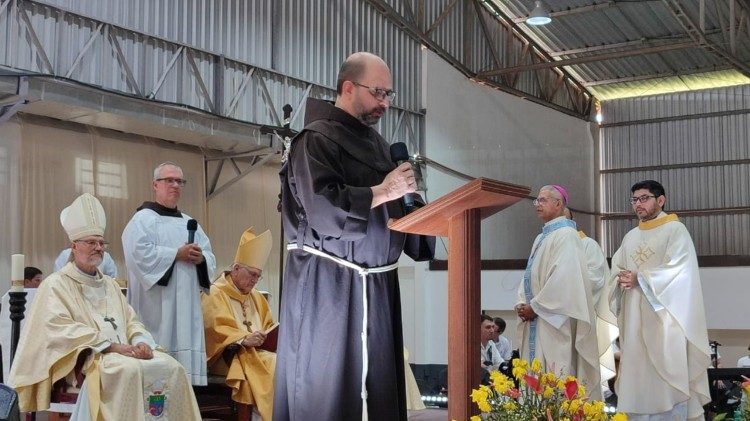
<point x="254" y="340"/>
<point x="627" y="279"/>
<point x="525" y="312"/>
<point x="190" y="253"/>
<point x="141" y="350"/>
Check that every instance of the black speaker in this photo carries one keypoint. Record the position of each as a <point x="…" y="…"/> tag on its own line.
<point x="8" y="404"/>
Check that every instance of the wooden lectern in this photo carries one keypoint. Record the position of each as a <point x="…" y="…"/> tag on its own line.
<point x="457" y="216"/>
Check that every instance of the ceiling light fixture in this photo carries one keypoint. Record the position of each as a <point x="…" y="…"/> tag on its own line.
<point x="538" y="16"/>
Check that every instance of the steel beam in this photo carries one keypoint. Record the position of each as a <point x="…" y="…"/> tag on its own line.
<point x="572" y="11"/>
<point x="636" y="78"/>
<point x="241" y="175"/>
<point x="700" y="39"/>
<point x="589" y="59"/>
<point x="14" y="103"/>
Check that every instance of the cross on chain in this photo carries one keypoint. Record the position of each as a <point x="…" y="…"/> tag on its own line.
<point x="248" y="324"/>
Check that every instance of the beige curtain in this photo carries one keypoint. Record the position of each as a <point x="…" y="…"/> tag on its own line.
<point x="61" y="160"/>
<point x="250" y="202"/>
<point x="10" y="194"/>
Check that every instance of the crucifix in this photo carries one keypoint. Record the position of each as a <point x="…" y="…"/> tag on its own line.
<point x="111" y="320"/>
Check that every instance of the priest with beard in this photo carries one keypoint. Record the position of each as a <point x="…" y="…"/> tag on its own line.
<point x="658" y="300"/>
<point x="236" y="313"/>
<point x="80" y="317"/>
<point x="340" y="353"/>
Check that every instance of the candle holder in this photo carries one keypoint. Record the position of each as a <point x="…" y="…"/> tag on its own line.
<point x="17" y="310"/>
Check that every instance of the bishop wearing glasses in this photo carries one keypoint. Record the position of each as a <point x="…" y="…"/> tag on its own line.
<point x="80" y="323"/>
<point x="236" y="313"/>
<point x="167" y="274"/>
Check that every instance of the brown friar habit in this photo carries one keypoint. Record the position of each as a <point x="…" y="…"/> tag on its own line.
<point x="326" y="199"/>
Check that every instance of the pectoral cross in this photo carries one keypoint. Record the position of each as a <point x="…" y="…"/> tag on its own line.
<point x="248" y="324"/>
<point x="111" y="320"/>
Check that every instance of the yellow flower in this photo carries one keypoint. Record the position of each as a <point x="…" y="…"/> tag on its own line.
<point x="479" y="395"/>
<point x="475" y="418"/>
<point x="549" y="379"/>
<point x="510" y="406"/>
<point x="619" y="417"/>
<point x="560" y="385"/>
<point x="536" y="366"/>
<point x="581" y="391"/>
<point x="575" y="405"/>
<point x="500" y="382"/>
<point x="548" y="392"/>
<point x="484" y="406"/>
<point x="519" y="372"/>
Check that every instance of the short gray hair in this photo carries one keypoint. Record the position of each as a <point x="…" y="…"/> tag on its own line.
<point x="157" y="170"/>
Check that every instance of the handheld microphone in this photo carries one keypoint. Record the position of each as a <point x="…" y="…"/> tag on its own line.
<point x="192" y="226"/>
<point x="399" y="155"/>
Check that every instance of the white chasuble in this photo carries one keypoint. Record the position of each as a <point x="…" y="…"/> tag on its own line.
<point x="663" y="337"/>
<point x="74" y="312"/>
<point x="565" y="334"/>
<point x="606" y="322"/>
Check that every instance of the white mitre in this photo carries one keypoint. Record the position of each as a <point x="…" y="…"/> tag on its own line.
<point x="84" y="217"/>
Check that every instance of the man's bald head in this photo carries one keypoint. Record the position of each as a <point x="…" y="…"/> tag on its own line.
<point x="355" y="66"/>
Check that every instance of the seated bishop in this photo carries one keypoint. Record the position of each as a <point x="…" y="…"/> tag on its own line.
<point x="234" y="312"/>
<point x="81" y="322"/>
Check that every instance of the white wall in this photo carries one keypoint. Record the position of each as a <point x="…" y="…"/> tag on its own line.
<point x="484" y="132"/>
<point x="487" y="133"/>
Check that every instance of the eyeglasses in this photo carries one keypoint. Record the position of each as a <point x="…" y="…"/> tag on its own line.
<point x="542" y="201"/>
<point x="252" y="274"/>
<point x="173" y="181"/>
<point x="641" y="199"/>
<point x="379" y="93"/>
<point x="94" y="243"/>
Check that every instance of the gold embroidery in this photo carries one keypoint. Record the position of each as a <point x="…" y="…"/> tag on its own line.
<point x="642" y="254"/>
<point x="654" y="223"/>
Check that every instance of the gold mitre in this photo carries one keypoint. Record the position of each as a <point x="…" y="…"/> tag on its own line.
<point x="254" y="249"/>
<point x="84" y="217"/>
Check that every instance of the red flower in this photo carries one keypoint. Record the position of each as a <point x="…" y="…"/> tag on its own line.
<point x="533" y="383"/>
<point x="571" y="389"/>
<point x="514" y="393"/>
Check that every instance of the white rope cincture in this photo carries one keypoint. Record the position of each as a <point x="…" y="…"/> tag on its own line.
<point x="363" y="272"/>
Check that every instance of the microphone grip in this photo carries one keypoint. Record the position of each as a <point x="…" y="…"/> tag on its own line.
<point x="191" y="236"/>
<point x="408" y="198"/>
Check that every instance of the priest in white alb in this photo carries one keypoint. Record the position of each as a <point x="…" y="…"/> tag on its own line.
<point x="236" y="313"/>
<point x="166" y="273"/>
<point x="81" y="321"/>
<point x="606" y="321"/>
<point x="658" y="301"/>
<point x="558" y="322"/>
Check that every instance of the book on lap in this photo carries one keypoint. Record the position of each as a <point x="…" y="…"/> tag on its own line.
<point x="272" y="338"/>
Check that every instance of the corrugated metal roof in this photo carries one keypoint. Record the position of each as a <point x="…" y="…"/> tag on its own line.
<point x="602" y="30"/>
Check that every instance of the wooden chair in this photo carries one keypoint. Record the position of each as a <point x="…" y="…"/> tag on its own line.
<point x="215" y="399"/>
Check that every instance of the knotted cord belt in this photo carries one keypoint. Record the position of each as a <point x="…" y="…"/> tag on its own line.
<point x="363" y="272"/>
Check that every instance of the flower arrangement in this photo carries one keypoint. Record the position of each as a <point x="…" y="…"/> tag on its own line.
<point x="746" y="400"/>
<point x="539" y="396"/>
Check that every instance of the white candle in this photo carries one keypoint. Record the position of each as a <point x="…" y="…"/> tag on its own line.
<point x="16" y="272"/>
